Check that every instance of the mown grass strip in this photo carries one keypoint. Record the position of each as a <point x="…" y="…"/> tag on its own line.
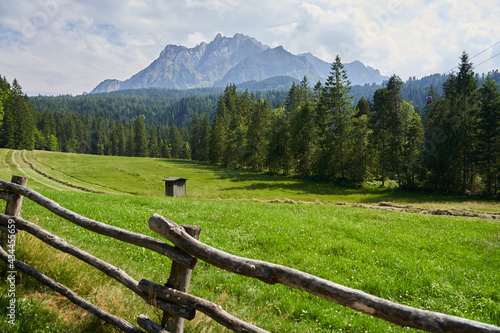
<point x="49" y="176"/>
<point x="36" y="180"/>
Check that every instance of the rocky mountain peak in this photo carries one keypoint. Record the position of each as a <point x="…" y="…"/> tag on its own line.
<point x="224" y="60"/>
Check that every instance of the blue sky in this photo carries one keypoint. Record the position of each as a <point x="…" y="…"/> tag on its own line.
<point x="69" y="46"/>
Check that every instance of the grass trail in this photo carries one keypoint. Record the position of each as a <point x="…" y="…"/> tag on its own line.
<point x="14" y="163"/>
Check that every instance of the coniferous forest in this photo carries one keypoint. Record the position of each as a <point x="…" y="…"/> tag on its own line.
<point x="440" y="133"/>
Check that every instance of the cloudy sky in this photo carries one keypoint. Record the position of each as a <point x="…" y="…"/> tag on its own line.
<point x="69" y="46"/>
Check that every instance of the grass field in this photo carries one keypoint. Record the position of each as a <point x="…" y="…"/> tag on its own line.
<point x="439" y="263"/>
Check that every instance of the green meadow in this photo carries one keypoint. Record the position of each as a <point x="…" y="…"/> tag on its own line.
<point x="438" y="263"/>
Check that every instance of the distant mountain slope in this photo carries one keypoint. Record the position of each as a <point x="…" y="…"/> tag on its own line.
<point x="267" y="64"/>
<point x="227" y="60"/>
<point x="358" y="73"/>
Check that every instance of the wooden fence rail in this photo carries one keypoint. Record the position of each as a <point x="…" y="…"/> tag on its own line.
<point x="174" y="299"/>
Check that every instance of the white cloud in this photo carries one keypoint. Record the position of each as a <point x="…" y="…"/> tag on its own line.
<point x="69" y="46"/>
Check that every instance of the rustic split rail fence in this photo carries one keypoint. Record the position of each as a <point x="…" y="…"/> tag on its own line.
<point x="173" y="298"/>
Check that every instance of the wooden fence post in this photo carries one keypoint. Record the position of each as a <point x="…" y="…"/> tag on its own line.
<point x="13" y="208"/>
<point x="179" y="279"/>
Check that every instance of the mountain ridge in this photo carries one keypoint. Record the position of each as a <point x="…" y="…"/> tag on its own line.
<point x="227" y="60"/>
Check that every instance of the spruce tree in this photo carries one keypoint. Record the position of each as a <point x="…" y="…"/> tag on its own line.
<point x="140" y="138"/>
<point x="461" y="93"/>
<point x="489" y="135"/>
<point x="218" y="134"/>
<point x="335" y="113"/>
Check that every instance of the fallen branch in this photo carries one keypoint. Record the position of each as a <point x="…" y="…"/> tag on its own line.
<point x="355" y="299"/>
<point x="214" y="311"/>
<point x="108" y="269"/>
<point x="102" y="228"/>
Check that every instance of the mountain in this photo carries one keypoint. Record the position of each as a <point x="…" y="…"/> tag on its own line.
<point x="358" y="73"/>
<point x="226" y="60"/>
<point x="267" y="64"/>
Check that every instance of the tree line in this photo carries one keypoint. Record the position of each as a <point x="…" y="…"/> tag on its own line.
<point x="451" y="144"/>
<point x="23" y="127"/>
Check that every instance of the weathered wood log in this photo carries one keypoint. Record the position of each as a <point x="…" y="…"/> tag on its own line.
<point x="180" y="277"/>
<point x="108" y="269"/>
<point x="13" y="208"/>
<point x="355" y="299"/>
<point x="214" y="311"/>
<point x="7" y="196"/>
<point x="122" y="324"/>
<point x="150" y="326"/>
<point x="102" y="228"/>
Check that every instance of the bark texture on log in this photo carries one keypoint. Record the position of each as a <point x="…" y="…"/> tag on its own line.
<point x="150" y="326"/>
<point x="108" y="269"/>
<point x="214" y="311"/>
<point x="13" y="207"/>
<point x="355" y="299"/>
<point x="180" y="277"/>
<point x="122" y="324"/>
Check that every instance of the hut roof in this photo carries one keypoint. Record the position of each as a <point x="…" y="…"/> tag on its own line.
<point x="173" y="179"/>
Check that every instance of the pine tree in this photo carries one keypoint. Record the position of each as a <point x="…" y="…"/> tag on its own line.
<point x="411" y="143"/>
<point x="4" y="93"/>
<point x="195" y="137"/>
<point x="218" y="134"/>
<point x="140" y="138"/>
<point x="360" y="152"/>
<point x="278" y="154"/>
<point x="489" y="135"/>
<point x="154" y="149"/>
<point x="335" y="121"/>
<point x="303" y="139"/>
<point x="461" y="93"/>
<point x="177" y="144"/>
<point x="396" y="127"/>
<point x="257" y="140"/>
<point x="381" y="130"/>
<point x="363" y="108"/>
<point x="18" y="128"/>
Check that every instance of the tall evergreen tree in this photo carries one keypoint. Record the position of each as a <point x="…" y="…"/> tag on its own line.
<point x="257" y="140"/>
<point x="412" y="139"/>
<point x="18" y="128"/>
<point x="461" y="93"/>
<point x="177" y="144"/>
<point x="278" y="155"/>
<point x="381" y="130"/>
<point x="335" y="121"/>
<point x="363" y="108"/>
<point x="303" y="133"/>
<point x="218" y="134"/>
<point x="302" y="128"/>
<point x="4" y="93"/>
<point x="140" y="138"/>
<point x="489" y="135"/>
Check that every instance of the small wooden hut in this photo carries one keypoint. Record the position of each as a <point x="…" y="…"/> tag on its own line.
<point x="175" y="187"/>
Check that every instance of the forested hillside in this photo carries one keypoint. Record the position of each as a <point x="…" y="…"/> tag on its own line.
<point x="329" y="130"/>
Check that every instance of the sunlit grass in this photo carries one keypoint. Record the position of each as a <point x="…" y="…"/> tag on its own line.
<point x="441" y="264"/>
<point x="143" y="176"/>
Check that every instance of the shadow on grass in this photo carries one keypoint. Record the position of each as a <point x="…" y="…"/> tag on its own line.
<point x="297" y="187"/>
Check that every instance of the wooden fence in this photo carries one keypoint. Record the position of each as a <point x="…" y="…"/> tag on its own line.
<point x="175" y="300"/>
